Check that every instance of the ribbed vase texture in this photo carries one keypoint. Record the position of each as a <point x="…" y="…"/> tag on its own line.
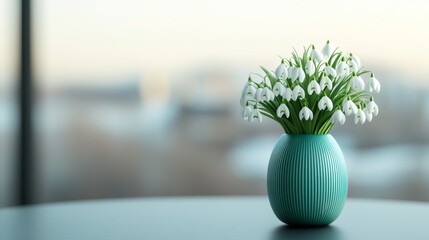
<point x="307" y="180"/>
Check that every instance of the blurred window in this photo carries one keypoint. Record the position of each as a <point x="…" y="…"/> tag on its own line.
<point x="8" y="108"/>
<point x="140" y="97"/>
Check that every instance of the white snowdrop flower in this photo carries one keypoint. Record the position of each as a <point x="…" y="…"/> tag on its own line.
<point x="287" y="94"/>
<point x="305" y="114"/>
<point x="353" y="66"/>
<point x="298" y="92"/>
<point x="316" y="55"/>
<point x="325" y="102"/>
<point x="298" y="74"/>
<point x="247" y="112"/>
<point x="250" y="82"/>
<point x="247" y="100"/>
<point x="360" y="116"/>
<point x="313" y="86"/>
<point x="295" y="74"/>
<point x="250" y="90"/>
<point x="343" y="69"/>
<point x="267" y="94"/>
<point x="339" y="117"/>
<point x="355" y="59"/>
<point x="283" y="110"/>
<point x="263" y="94"/>
<point x="331" y="71"/>
<point x="258" y="95"/>
<point x="282" y="71"/>
<point x="256" y="115"/>
<point x="325" y="83"/>
<point x="374" y="84"/>
<point x="301" y="75"/>
<point x="328" y="50"/>
<point x="271" y="94"/>
<point x="290" y="72"/>
<point x="357" y="83"/>
<point x="279" y="89"/>
<point x="310" y="67"/>
<point x="372" y="107"/>
<point x="349" y="107"/>
<point x="368" y="114"/>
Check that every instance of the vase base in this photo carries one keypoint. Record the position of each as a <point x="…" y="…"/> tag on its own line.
<point x="292" y="225"/>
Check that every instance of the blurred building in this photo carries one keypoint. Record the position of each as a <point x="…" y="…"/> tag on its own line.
<point x="137" y="99"/>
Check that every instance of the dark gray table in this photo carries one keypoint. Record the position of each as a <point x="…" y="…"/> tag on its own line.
<point x="217" y="218"/>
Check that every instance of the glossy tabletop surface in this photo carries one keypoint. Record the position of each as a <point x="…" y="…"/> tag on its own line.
<point x="206" y="218"/>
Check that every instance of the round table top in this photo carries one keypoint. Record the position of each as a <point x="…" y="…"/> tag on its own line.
<point x="206" y="218"/>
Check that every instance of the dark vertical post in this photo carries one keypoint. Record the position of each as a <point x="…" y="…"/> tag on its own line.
<point x="24" y="154"/>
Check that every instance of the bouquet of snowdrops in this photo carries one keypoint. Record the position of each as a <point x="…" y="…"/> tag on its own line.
<point x="307" y="94"/>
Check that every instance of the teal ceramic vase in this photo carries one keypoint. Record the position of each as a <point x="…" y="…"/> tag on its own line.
<point x="307" y="180"/>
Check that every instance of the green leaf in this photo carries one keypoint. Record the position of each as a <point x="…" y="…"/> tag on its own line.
<point x="272" y="78"/>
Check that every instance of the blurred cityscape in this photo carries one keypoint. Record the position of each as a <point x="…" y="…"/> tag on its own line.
<point x="133" y="98"/>
<point x="112" y="141"/>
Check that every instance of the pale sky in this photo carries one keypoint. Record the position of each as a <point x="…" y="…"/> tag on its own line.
<point x="83" y="39"/>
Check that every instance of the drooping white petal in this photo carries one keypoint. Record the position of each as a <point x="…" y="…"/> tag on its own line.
<point x="343" y="69"/>
<point x="282" y="71"/>
<point x="290" y="72"/>
<point x="271" y="95"/>
<point x="301" y="114"/>
<point x="249" y="90"/>
<point x="313" y="86"/>
<point x="287" y="94"/>
<point x="315" y="54"/>
<point x="360" y="117"/>
<point x="310" y="68"/>
<point x="305" y="114"/>
<point x="353" y="66"/>
<point x="283" y="110"/>
<point x="331" y="71"/>
<point x="243" y="101"/>
<point x="368" y="114"/>
<point x="361" y="83"/>
<point x="264" y="94"/>
<point x="325" y="83"/>
<point x="298" y="92"/>
<point x="349" y="107"/>
<point x="327" y="50"/>
<point x="325" y="102"/>
<point x="258" y="94"/>
<point x="374" y="85"/>
<point x="356" y="60"/>
<point x="247" y="112"/>
<point x="301" y="74"/>
<point x="267" y="94"/>
<point x="357" y="83"/>
<point x="372" y="107"/>
<point x="295" y="74"/>
<point x="377" y="87"/>
<point x="279" y="89"/>
<point x="249" y="83"/>
<point x="339" y="117"/>
<point x="256" y="115"/>
<point x="247" y="100"/>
